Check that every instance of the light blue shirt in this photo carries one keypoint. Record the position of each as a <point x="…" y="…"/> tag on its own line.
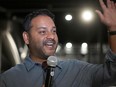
<point x="68" y="73"/>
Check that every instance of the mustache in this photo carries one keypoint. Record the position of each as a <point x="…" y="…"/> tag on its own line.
<point x="49" y="41"/>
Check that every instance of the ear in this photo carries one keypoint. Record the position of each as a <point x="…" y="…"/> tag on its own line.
<point x="26" y="37"/>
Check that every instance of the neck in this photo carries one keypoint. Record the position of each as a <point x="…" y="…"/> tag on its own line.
<point x="37" y="59"/>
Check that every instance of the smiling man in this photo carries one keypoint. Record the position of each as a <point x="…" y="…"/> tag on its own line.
<point x="41" y="38"/>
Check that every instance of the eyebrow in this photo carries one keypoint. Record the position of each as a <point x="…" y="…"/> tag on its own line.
<point x="42" y="27"/>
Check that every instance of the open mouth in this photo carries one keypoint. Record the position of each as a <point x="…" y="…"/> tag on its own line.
<point x="50" y="43"/>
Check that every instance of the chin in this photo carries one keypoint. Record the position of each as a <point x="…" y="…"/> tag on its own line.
<point x="50" y="54"/>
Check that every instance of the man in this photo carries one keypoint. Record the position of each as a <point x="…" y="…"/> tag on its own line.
<point x="41" y="39"/>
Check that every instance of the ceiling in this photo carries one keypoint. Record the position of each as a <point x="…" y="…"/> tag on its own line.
<point x="74" y="31"/>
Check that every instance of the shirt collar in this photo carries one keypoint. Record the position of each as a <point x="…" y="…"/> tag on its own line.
<point x="59" y="65"/>
<point x="29" y="64"/>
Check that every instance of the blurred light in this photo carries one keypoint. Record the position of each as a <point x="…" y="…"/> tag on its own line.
<point x="68" y="17"/>
<point x="58" y="48"/>
<point x="68" y="48"/>
<point x="87" y="15"/>
<point x="84" y="48"/>
<point x="13" y="48"/>
<point x="68" y="45"/>
<point x="23" y="55"/>
<point x="23" y="51"/>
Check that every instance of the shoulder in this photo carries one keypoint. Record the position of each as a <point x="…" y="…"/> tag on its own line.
<point x="72" y="63"/>
<point x="14" y="70"/>
<point x="19" y="68"/>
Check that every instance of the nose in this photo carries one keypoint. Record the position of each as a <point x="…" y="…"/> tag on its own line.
<point x="50" y="35"/>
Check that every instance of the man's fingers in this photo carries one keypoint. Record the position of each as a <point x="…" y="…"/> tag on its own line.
<point x="113" y="5"/>
<point x="100" y="15"/>
<point x="109" y="4"/>
<point x="103" y="6"/>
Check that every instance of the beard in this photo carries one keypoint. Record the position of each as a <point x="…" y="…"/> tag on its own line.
<point x="41" y="50"/>
<point x="43" y="54"/>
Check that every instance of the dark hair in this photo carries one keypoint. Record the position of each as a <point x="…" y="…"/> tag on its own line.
<point x="30" y="16"/>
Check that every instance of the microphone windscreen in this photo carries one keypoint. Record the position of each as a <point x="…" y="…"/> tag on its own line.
<point x="52" y="61"/>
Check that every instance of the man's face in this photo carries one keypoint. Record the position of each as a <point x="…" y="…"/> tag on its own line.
<point x="42" y="37"/>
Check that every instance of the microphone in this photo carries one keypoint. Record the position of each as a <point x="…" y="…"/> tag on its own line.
<point x="51" y="62"/>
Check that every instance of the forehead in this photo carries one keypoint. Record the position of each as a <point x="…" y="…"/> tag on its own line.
<point x="41" y="22"/>
<point x="42" y="19"/>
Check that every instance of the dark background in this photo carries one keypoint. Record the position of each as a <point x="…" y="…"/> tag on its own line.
<point x="12" y="13"/>
<point x="75" y="30"/>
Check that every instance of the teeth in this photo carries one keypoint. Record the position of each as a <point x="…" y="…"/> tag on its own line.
<point x="49" y="43"/>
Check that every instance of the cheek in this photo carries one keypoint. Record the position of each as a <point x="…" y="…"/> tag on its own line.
<point x="39" y="41"/>
<point x="57" y="38"/>
<point x="36" y="43"/>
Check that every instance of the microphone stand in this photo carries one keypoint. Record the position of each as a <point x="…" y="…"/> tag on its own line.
<point x="49" y="76"/>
